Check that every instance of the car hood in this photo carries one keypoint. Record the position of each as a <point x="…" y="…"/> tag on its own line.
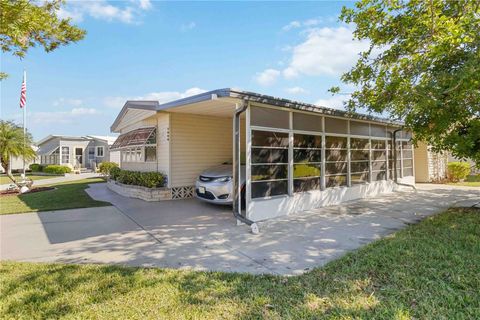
<point x="224" y="170"/>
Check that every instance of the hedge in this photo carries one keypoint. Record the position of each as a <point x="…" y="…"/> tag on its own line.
<point x="137" y="178"/>
<point x="106" y="166"/>
<point x="57" y="169"/>
<point x="458" y="170"/>
<point x="36" y="167"/>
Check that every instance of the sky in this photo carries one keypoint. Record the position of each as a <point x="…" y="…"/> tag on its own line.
<point x="142" y="49"/>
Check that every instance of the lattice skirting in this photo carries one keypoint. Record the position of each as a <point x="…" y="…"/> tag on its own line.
<point x="182" y="192"/>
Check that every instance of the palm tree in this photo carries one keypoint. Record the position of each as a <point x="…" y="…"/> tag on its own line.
<point x="13" y="144"/>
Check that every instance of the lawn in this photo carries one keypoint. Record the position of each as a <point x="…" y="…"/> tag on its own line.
<point x="426" y="271"/>
<point x="6" y="180"/>
<point x="67" y="195"/>
<point x="470" y="181"/>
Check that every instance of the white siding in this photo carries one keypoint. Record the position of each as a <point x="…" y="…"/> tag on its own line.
<point x="133" y="118"/>
<point x="197" y="143"/>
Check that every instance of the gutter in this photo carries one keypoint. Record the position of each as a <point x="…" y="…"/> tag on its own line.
<point x="237" y="203"/>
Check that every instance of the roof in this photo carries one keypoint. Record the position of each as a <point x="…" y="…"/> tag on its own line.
<point x="246" y="96"/>
<point x="51" y="136"/>
<point x="47" y="150"/>
<point x="137" y="137"/>
<point x="109" y="139"/>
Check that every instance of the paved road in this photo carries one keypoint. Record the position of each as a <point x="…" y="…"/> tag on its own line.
<point x="190" y="234"/>
<point x="69" y="177"/>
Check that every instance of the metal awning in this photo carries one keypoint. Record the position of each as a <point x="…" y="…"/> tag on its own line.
<point x="47" y="150"/>
<point x="134" y="138"/>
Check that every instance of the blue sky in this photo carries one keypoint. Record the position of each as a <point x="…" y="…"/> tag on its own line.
<point x="167" y="50"/>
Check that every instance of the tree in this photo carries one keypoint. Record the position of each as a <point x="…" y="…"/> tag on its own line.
<point x="423" y="67"/>
<point x="25" y="24"/>
<point x="12" y="144"/>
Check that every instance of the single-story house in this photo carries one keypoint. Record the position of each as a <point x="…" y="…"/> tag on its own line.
<point x="298" y="156"/>
<point x="16" y="163"/>
<point x="77" y="151"/>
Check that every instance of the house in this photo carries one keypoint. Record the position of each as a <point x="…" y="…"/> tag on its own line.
<point x="79" y="152"/>
<point x="298" y="156"/>
<point x="16" y="163"/>
<point x="430" y="166"/>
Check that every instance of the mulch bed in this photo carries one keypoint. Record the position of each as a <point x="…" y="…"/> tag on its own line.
<point x="6" y="193"/>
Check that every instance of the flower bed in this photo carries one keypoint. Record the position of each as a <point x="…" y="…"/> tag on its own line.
<point x="140" y="192"/>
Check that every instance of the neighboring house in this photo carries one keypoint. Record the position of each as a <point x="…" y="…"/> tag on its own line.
<point x="298" y="156"/>
<point x="80" y="152"/>
<point x="430" y="166"/>
<point x="16" y="163"/>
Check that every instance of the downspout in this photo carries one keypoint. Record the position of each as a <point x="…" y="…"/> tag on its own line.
<point x="394" y="136"/>
<point x="237" y="206"/>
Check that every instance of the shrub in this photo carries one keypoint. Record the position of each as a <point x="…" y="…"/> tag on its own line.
<point x="137" y="178"/>
<point x="458" y="170"/>
<point x="114" y="172"/>
<point x="106" y="166"/>
<point x="36" y="167"/>
<point x="57" y="169"/>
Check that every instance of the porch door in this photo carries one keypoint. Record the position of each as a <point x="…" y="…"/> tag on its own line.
<point x="79" y="156"/>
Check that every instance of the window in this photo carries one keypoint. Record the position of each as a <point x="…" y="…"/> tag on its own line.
<point x="333" y="125"/>
<point x="391" y="160"/>
<point x="65" y="154"/>
<point x="407" y="157"/>
<point x="377" y="130"/>
<point x="269" y="163"/>
<point x="266" y="117"/>
<point x="379" y="159"/>
<point x="359" y="128"/>
<point x="99" y="151"/>
<point x="335" y="161"/>
<point x="307" y="158"/>
<point x="307" y="122"/>
<point x="359" y="160"/>
<point x="150" y="153"/>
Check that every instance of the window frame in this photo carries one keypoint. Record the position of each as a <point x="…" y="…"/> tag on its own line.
<point x="99" y="148"/>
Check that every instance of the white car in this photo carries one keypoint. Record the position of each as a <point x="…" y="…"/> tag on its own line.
<point x="215" y="184"/>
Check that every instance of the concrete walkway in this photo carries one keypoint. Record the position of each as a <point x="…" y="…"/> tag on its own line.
<point x="192" y="234"/>
<point x="57" y="179"/>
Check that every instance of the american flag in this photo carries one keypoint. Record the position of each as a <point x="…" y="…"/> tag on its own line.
<point x="23" y="93"/>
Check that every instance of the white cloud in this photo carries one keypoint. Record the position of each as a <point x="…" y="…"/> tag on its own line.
<point x="306" y="23"/>
<point x="103" y="10"/>
<point x="292" y="25"/>
<point x="161" y="97"/>
<point x="296" y="90"/>
<point x="335" y="102"/>
<point x="188" y="26"/>
<point x="267" y="77"/>
<point x="326" y="51"/>
<point x="62" y="117"/>
<point x="65" y="102"/>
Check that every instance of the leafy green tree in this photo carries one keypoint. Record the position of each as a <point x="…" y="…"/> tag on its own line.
<point x="25" y="24"/>
<point x="12" y="144"/>
<point x="423" y="67"/>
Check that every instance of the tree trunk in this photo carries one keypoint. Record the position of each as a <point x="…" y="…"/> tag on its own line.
<point x="8" y="171"/>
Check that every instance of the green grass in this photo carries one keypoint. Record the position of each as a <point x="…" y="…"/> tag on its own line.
<point x="68" y="195"/>
<point x="6" y="180"/>
<point x="470" y="181"/>
<point x="426" y="271"/>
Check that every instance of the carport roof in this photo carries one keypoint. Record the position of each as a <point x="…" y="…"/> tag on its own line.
<point x="236" y="94"/>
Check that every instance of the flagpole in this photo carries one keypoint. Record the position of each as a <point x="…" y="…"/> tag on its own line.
<point x="24" y="124"/>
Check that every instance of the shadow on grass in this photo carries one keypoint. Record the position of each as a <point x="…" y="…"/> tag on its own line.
<point x="428" y="270"/>
<point x="67" y="195"/>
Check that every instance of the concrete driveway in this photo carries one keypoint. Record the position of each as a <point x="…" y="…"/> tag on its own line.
<point x="191" y="234"/>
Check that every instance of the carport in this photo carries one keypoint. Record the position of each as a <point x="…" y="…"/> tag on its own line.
<point x="297" y="156"/>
